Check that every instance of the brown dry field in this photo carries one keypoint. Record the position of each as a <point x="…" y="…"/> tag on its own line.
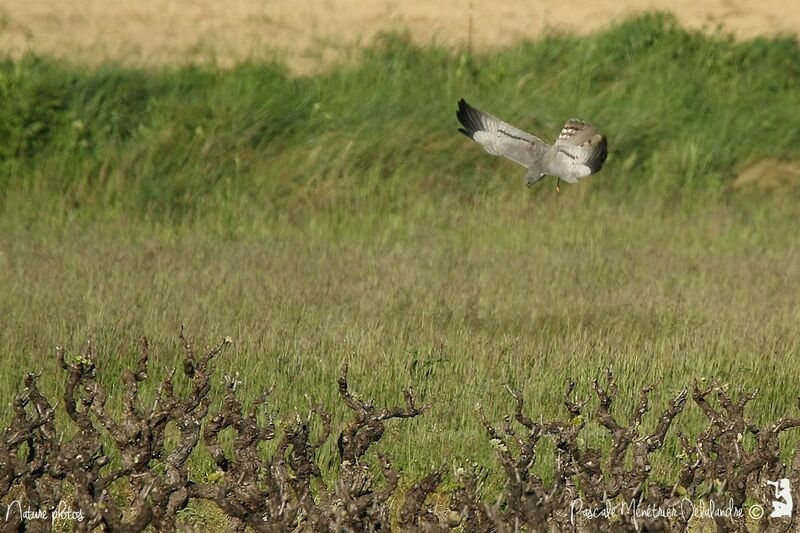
<point x="311" y="33"/>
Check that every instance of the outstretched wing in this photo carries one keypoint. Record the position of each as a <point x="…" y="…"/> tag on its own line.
<point x="500" y="138"/>
<point x="579" y="151"/>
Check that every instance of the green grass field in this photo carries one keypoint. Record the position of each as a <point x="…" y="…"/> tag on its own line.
<point x="341" y="217"/>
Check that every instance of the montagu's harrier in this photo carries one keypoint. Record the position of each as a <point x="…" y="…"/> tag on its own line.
<point x="579" y="151"/>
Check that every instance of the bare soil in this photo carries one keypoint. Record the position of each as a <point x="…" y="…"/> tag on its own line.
<point x="311" y="33"/>
<point x="769" y="174"/>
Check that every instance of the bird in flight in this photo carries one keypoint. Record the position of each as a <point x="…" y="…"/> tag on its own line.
<point x="579" y="151"/>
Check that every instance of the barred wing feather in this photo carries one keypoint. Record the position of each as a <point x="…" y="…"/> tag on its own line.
<point x="500" y="138"/>
<point x="579" y="151"/>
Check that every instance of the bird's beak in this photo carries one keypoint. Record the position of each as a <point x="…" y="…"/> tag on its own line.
<point x="558" y="182"/>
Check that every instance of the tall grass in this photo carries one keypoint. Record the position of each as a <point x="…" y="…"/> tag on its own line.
<point x="682" y="111"/>
<point x="340" y="217"/>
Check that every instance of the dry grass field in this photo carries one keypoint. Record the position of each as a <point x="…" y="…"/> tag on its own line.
<point x="310" y="33"/>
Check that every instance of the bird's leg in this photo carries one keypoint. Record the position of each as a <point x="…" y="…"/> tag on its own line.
<point x="558" y="182"/>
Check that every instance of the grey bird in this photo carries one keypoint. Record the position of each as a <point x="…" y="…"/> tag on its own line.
<point x="579" y="151"/>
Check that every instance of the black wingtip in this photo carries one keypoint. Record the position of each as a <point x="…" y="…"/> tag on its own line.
<point x="468" y="117"/>
<point x="460" y="113"/>
<point x="463" y="109"/>
<point x="601" y="156"/>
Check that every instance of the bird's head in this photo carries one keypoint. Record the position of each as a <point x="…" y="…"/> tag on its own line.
<point x="530" y="181"/>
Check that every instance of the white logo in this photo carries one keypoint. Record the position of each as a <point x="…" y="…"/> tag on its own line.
<point x="61" y="512"/>
<point x="782" y="504"/>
